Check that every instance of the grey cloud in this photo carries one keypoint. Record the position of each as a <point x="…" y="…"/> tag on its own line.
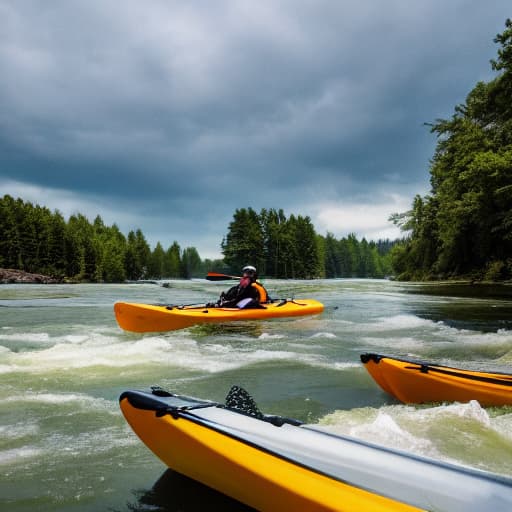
<point x="186" y="107"/>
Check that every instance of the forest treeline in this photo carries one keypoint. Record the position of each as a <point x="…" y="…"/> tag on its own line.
<point x="35" y="239"/>
<point x="463" y="227"/>
<point x="285" y="248"/>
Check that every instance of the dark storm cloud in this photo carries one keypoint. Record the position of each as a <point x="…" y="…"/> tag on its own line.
<point x="170" y="114"/>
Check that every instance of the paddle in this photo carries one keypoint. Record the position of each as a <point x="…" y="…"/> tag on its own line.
<point x="215" y="276"/>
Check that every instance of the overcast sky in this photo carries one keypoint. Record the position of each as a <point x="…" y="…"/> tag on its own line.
<point x="169" y="115"/>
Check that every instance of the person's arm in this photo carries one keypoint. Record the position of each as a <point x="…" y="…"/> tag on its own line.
<point x="229" y="298"/>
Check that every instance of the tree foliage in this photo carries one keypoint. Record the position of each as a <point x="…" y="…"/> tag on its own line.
<point x="289" y="248"/>
<point x="464" y="226"/>
<point x="34" y="239"/>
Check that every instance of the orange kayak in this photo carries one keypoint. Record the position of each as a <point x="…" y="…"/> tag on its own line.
<point x="273" y="463"/>
<point x="158" y="318"/>
<point x="415" y="382"/>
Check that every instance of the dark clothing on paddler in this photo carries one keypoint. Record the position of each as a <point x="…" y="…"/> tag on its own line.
<point x="248" y="293"/>
<point x="236" y="294"/>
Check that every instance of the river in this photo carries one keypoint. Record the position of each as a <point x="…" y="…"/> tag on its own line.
<point x="64" y="445"/>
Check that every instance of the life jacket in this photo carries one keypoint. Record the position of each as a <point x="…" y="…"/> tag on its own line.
<point x="261" y="291"/>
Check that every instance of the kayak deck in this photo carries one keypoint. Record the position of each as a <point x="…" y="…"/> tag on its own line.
<point x="413" y="381"/>
<point x="157" y="318"/>
<point x="273" y="463"/>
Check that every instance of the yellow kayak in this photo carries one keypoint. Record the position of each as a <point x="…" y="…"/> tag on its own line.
<point x="157" y="318"/>
<point x="416" y="382"/>
<point x="275" y="463"/>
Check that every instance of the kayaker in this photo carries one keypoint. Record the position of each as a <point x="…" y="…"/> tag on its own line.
<point x="248" y="293"/>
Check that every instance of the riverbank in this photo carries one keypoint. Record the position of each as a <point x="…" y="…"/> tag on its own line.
<point x="461" y="288"/>
<point x="13" y="276"/>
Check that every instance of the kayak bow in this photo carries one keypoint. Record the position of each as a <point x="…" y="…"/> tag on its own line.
<point x="274" y="463"/>
<point x="416" y="382"/>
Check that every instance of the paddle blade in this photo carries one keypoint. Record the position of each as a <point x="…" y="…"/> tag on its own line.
<point x="215" y="276"/>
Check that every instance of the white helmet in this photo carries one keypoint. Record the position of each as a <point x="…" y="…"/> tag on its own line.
<point x="249" y="269"/>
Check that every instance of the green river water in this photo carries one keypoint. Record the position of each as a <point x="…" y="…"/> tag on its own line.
<point x="64" y="444"/>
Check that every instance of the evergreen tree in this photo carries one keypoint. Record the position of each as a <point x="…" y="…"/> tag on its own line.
<point x="32" y="233"/>
<point x="110" y="245"/>
<point x="56" y="244"/>
<point x="82" y="251"/>
<point x="306" y="249"/>
<point x="9" y="234"/>
<point x="464" y="226"/>
<point x="244" y="243"/>
<point x="137" y="256"/>
<point x="113" y="258"/>
<point x="157" y="262"/>
<point x="75" y="262"/>
<point x="332" y="256"/>
<point x="132" y="265"/>
<point x="320" y="249"/>
<point x="274" y="225"/>
<point x="173" y="264"/>
<point x="190" y="263"/>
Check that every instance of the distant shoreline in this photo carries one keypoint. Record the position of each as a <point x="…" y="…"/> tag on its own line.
<point x="15" y="276"/>
<point x="460" y="288"/>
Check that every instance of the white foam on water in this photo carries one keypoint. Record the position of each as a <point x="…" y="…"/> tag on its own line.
<point x="326" y="335"/>
<point x="467" y="336"/>
<point x="93" y="350"/>
<point x="18" y="430"/>
<point x="343" y="322"/>
<point x="279" y="355"/>
<point x="395" y="342"/>
<point x="233" y="358"/>
<point x="76" y="338"/>
<point x="97" y="348"/>
<point x="393" y="325"/>
<point x="304" y="346"/>
<point x="217" y="349"/>
<point x="503" y="425"/>
<point x="506" y="359"/>
<point x="385" y="429"/>
<point x="359" y="419"/>
<point x="206" y="357"/>
<point x="268" y="336"/>
<point x="399" y="322"/>
<point x="471" y="410"/>
<point x="62" y="445"/>
<point x="30" y="337"/>
<point x="92" y="441"/>
<point x="84" y="347"/>
<point x="19" y="455"/>
<point x="345" y="365"/>
<point x="409" y="333"/>
<point x="452" y="432"/>
<point x="86" y="401"/>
